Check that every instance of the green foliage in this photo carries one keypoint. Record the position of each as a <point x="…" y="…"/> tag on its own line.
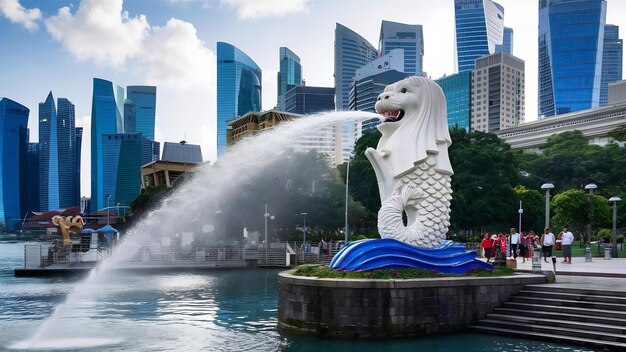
<point x="361" y="237"/>
<point x="321" y="271"/>
<point x="605" y="235"/>
<point x="619" y="134"/>
<point x="363" y="185"/>
<point x="571" y="208"/>
<point x="533" y="203"/>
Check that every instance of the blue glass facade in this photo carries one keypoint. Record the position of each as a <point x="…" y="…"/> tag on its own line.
<point x="144" y="98"/>
<point x="457" y="89"/>
<point x="121" y="167"/>
<point x="611" y="61"/>
<point x="507" y="42"/>
<point x="408" y="37"/>
<point x="238" y="88"/>
<point x="351" y="52"/>
<point x="77" y="155"/>
<point x="306" y="100"/>
<point x="289" y="76"/>
<point x="479" y="28"/>
<point x="571" y="35"/>
<point x="104" y="119"/>
<point x="32" y="178"/>
<point x="13" y="162"/>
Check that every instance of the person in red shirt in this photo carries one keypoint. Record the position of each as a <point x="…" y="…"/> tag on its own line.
<point x="487" y="246"/>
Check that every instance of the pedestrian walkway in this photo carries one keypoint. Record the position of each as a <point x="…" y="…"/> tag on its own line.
<point x="615" y="267"/>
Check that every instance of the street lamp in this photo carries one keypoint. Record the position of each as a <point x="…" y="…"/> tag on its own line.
<point x="590" y="187"/>
<point x="347" y="179"/>
<point x="108" y="197"/>
<point x="614" y="200"/>
<point x="304" y="229"/>
<point x="266" y="215"/>
<point x="547" y="187"/>
<point x="520" y="211"/>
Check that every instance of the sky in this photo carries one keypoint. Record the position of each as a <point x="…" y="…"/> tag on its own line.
<point x="61" y="45"/>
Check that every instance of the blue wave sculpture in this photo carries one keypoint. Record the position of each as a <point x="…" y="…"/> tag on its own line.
<point x="387" y="253"/>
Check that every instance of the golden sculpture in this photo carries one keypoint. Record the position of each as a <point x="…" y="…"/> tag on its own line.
<point x="70" y="224"/>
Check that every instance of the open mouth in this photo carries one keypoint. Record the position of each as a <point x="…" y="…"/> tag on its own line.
<point x="393" y="116"/>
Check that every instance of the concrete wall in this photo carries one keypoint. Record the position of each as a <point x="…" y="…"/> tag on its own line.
<point x="369" y="308"/>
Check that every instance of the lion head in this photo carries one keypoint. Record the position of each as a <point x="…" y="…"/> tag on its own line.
<point x="414" y="124"/>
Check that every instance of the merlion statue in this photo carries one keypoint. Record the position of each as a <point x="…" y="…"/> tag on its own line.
<point x="411" y="163"/>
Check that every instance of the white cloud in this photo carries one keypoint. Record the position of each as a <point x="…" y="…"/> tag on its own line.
<point x="99" y="30"/>
<point x="254" y="9"/>
<point x="15" y="12"/>
<point x="175" y="57"/>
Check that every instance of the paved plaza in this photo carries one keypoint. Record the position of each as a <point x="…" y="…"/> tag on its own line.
<point x="615" y="267"/>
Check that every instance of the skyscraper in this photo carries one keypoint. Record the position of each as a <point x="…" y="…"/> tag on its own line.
<point x="32" y="178"/>
<point x="57" y="155"/>
<point x="13" y="162"/>
<point x="408" y="37"/>
<point x="144" y="98"/>
<point x="507" y="42"/>
<point x="289" y="76"/>
<point x="458" y="92"/>
<point x="351" y="52"/>
<point x="121" y="167"/>
<point x="612" y="54"/>
<point x="238" y="88"/>
<point x="571" y="35"/>
<point x="498" y="92"/>
<point x="479" y="29"/>
<point x="306" y="100"/>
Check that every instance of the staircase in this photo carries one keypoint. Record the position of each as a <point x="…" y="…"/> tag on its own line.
<point x="595" y="318"/>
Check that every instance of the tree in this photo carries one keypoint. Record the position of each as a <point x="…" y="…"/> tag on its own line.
<point x="533" y="203"/>
<point x="571" y="208"/>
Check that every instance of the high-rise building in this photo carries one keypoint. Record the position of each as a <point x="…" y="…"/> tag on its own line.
<point x="612" y="54"/>
<point x="479" y="30"/>
<point x="32" y="177"/>
<point x="144" y="98"/>
<point x="571" y="35"/>
<point x="458" y="91"/>
<point x="77" y="154"/>
<point x="497" y="93"/>
<point x="130" y="116"/>
<point x="408" y="37"/>
<point x="507" y="42"/>
<point x="351" y="52"/>
<point x="121" y="167"/>
<point x="238" y="88"/>
<point x="104" y="121"/>
<point x="289" y="76"/>
<point x="13" y="162"/>
<point x="57" y="155"/>
<point x="306" y="100"/>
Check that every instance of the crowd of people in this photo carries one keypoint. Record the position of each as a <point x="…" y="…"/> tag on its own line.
<point x="521" y="244"/>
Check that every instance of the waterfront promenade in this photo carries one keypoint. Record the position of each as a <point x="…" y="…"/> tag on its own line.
<point x="599" y="267"/>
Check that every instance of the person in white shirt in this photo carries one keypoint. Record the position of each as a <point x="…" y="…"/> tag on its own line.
<point x="566" y="245"/>
<point x="515" y="241"/>
<point x="547" y="241"/>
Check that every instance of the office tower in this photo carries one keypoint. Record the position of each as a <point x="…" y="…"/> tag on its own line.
<point x="479" y="29"/>
<point x="570" y="54"/>
<point x="150" y="150"/>
<point x="104" y="121"/>
<point x="507" y="42"/>
<point x="32" y="178"/>
<point x="130" y="116"/>
<point x="458" y="91"/>
<point x="289" y="76"/>
<point x="497" y="92"/>
<point x="13" y="162"/>
<point x="77" y="155"/>
<point x="121" y="168"/>
<point x="611" y="61"/>
<point x="351" y="52"/>
<point x="238" y="88"/>
<point x="408" y="37"/>
<point x="57" y="155"/>
<point x="144" y="99"/>
<point x="306" y="100"/>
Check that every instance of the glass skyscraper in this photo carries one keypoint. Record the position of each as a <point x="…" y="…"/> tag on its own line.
<point x="611" y="61"/>
<point x="13" y="162"/>
<point x="57" y="155"/>
<point x="351" y="52"/>
<point x="507" y="42"/>
<point x="32" y="177"/>
<point x="571" y="36"/>
<point x="289" y="76"/>
<point x="408" y="37"/>
<point x="144" y="98"/>
<point x="479" y="29"/>
<point x="306" y="100"/>
<point x="457" y="89"/>
<point x="238" y="88"/>
<point x="121" y="167"/>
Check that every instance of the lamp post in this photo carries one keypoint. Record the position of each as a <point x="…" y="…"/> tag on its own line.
<point x="547" y="187"/>
<point x="266" y="215"/>
<point x="304" y="230"/>
<point x="108" y="197"/>
<point x="590" y="187"/>
<point x="614" y="200"/>
<point x="520" y="211"/>
<point x="347" y="180"/>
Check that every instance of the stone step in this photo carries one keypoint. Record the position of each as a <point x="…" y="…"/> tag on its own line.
<point x="555" y="330"/>
<point x="573" y="296"/>
<point x="566" y="310"/>
<point x="560" y="322"/>
<point x="580" y="291"/>
<point x="575" y="316"/>
<point x="551" y="337"/>
<point x="569" y="303"/>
